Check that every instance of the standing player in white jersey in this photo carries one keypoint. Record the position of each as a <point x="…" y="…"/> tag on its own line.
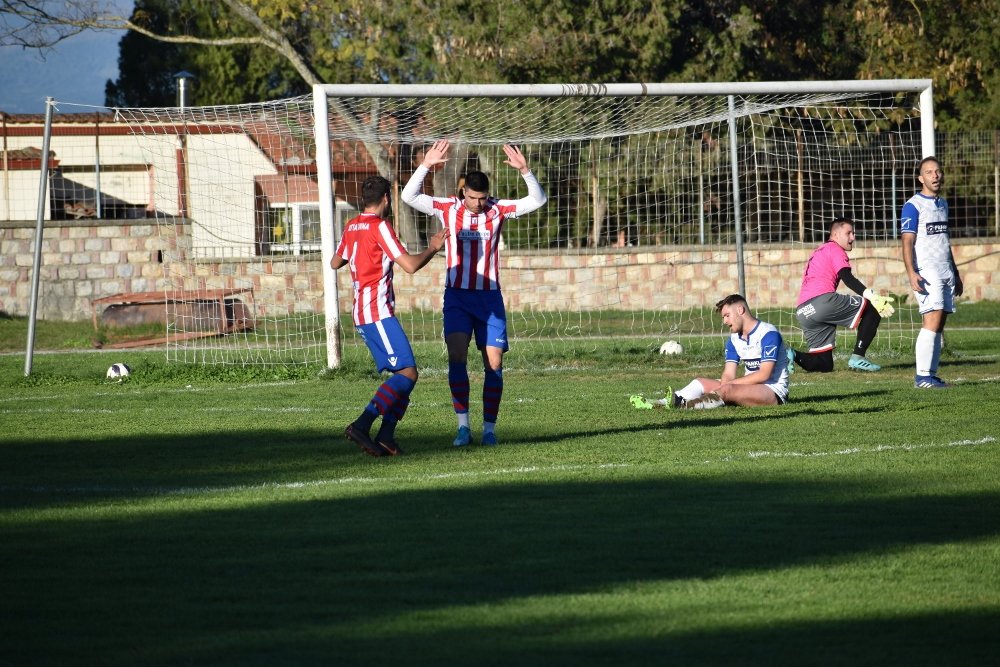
<point x="930" y="268"/>
<point x="370" y="246"/>
<point x="473" y="304"/>
<point x="758" y="346"/>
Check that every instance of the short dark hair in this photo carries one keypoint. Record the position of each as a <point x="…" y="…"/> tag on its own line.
<point x="373" y="189"/>
<point x="730" y="300"/>
<point x="477" y="181"/>
<point x="839" y="222"/>
<point x="929" y="158"/>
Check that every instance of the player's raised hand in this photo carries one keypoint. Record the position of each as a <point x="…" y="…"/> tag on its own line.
<point x="436" y="154"/>
<point x="515" y="158"/>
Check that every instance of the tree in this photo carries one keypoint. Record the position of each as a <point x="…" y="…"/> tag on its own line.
<point x="954" y="43"/>
<point x="225" y="74"/>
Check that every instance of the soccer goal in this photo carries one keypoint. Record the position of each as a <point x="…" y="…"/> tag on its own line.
<point x="662" y="198"/>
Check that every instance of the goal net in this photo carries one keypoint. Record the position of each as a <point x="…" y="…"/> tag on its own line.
<point x="662" y="199"/>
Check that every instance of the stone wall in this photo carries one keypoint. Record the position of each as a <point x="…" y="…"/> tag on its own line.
<point x="87" y="259"/>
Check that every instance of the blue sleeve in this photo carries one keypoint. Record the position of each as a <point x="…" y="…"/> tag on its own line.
<point x="731" y="355"/>
<point x="908" y="219"/>
<point x="770" y="346"/>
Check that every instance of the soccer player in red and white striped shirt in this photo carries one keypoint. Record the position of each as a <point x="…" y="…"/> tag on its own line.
<point x="473" y="304"/>
<point x="369" y="245"/>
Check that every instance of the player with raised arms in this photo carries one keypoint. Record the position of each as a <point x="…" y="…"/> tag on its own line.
<point x="473" y="303"/>
<point x="370" y="247"/>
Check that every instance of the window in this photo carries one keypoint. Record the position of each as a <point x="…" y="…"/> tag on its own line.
<point x="295" y="227"/>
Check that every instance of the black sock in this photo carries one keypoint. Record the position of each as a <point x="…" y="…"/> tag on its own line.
<point x="867" y="328"/>
<point x="821" y="362"/>
<point x="387" y="431"/>
<point x="365" y="421"/>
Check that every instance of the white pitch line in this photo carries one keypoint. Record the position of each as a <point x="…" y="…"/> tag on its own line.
<point x="871" y="450"/>
<point x="497" y="472"/>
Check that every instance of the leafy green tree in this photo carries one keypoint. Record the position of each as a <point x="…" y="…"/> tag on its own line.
<point x="956" y="44"/>
<point x="263" y="49"/>
<point x="224" y="74"/>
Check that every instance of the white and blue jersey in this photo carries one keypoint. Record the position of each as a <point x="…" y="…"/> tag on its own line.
<point x="927" y="217"/>
<point x="763" y="343"/>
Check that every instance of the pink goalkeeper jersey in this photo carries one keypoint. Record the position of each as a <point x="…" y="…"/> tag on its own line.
<point x="820" y="276"/>
<point x="472" y="251"/>
<point x="369" y="245"/>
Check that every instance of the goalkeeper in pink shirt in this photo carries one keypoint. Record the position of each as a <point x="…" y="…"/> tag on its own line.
<point x="821" y="309"/>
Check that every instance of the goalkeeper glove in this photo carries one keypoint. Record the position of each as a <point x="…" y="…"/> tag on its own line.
<point x="882" y="304"/>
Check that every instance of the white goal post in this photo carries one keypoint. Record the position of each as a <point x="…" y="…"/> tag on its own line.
<point x="737" y="147"/>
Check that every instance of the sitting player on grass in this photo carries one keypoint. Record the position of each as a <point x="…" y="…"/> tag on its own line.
<point x="761" y="349"/>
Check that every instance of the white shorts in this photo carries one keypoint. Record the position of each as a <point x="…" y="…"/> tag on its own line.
<point x="940" y="293"/>
<point x="780" y="390"/>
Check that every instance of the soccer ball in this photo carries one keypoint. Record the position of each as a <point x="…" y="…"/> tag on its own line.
<point x="118" y="372"/>
<point x="671" y="347"/>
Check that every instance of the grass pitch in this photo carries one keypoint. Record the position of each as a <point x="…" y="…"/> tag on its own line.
<point x="192" y="516"/>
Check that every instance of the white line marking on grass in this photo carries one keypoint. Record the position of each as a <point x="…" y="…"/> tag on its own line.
<point x="871" y="450"/>
<point x="391" y="481"/>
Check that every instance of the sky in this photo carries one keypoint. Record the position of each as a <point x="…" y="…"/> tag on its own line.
<point x="75" y="71"/>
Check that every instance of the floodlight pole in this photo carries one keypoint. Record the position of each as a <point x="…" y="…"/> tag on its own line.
<point x="43" y="182"/>
<point x="182" y="79"/>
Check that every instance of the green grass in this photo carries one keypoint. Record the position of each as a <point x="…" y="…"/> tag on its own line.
<point x="200" y="516"/>
<point x="528" y="326"/>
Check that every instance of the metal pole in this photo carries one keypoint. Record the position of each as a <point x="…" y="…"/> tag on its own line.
<point x="43" y="183"/>
<point x="328" y="227"/>
<point x="701" y="191"/>
<point x="97" y="167"/>
<point x="996" y="183"/>
<point x="737" y="214"/>
<point x="625" y="89"/>
<point x="927" y="121"/>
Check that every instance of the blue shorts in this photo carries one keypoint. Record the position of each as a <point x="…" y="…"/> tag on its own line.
<point x="479" y="312"/>
<point x="388" y="344"/>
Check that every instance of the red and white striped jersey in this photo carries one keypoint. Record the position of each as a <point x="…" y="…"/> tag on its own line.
<point x="369" y="245"/>
<point x="472" y="251"/>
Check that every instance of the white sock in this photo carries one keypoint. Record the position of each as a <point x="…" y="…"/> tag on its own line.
<point x="463" y="419"/>
<point x="936" y="359"/>
<point x="707" y="402"/>
<point x="925" y="351"/>
<point x="693" y="390"/>
<point x="488" y="427"/>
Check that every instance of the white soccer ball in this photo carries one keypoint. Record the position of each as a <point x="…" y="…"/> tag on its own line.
<point x="118" y="372"/>
<point x="671" y="347"/>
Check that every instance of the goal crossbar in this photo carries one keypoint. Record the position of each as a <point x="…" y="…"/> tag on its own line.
<point x="624" y="89"/>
